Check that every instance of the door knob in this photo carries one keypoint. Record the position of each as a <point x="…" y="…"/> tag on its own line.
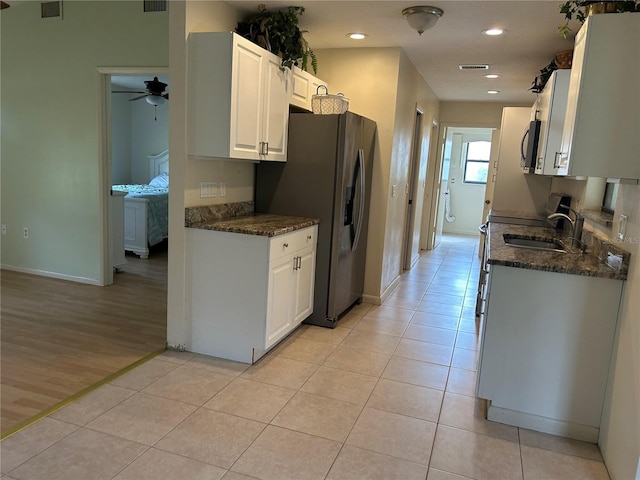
<point x="487" y="202"/>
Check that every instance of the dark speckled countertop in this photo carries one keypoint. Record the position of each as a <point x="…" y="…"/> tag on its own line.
<point x="572" y="262"/>
<point x="257" y="224"/>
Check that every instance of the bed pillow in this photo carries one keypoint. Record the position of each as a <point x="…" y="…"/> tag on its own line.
<point x="161" y="181"/>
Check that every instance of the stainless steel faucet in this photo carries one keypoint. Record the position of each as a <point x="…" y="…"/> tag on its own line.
<point x="576" y="226"/>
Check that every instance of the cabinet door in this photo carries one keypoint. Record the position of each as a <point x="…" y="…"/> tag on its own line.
<point x="600" y="134"/>
<point x="279" y="302"/>
<point x="304" y="284"/>
<point x="299" y="89"/>
<point x="553" y="107"/>
<point x="543" y="105"/>
<point x="276" y="111"/>
<point x="561" y="159"/>
<point x="247" y="90"/>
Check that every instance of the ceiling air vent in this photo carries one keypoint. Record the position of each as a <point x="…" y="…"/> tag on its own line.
<point x="474" y="66"/>
<point x="155" y="5"/>
<point x="51" y="10"/>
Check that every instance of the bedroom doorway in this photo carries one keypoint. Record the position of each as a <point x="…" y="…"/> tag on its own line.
<point x="132" y="128"/>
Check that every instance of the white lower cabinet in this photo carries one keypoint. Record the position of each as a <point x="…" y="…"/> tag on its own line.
<point x="247" y="291"/>
<point x="546" y="344"/>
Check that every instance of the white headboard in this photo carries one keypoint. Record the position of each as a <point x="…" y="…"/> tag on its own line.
<point x="158" y="164"/>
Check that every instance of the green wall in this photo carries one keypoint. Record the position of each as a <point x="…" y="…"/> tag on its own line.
<point x="50" y="175"/>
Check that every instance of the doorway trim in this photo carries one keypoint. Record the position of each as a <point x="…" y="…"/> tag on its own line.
<point x="432" y="219"/>
<point x="103" y="83"/>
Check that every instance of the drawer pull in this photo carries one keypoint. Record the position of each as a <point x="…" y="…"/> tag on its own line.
<point x="309" y="237"/>
<point x="285" y="245"/>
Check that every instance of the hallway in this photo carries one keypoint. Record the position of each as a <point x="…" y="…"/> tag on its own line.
<point x="387" y="394"/>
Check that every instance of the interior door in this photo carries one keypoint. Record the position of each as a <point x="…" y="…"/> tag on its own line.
<point x="442" y="177"/>
<point x="412" y="241"/>
<point x="491" y="178"/>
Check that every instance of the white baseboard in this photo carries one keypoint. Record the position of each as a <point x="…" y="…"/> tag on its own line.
<point x="586" y="433"/>
<point x="472" y="232"/>
<point x="59" y="276"/>
<point x="379" y="300"/>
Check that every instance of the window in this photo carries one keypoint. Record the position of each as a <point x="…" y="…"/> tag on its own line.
<point x="476" y="165"/>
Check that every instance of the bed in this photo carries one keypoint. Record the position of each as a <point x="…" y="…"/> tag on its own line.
<point x="146" y="208"/>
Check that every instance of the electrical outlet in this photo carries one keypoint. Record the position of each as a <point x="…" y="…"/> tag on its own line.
<point x="223" y="189"/>
<point x="4" y="229"/>
<point x="208" y="189"/>
<point x="25" y="232"/>
<point x="622" y="227"/>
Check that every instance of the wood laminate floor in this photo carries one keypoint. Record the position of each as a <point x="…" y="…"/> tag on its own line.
<point x="60" y="337"/>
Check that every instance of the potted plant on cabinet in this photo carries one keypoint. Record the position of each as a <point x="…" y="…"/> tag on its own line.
<point x="581" y="9"/>
<point x="278" y="32"/>
<point x="541" y="80"/>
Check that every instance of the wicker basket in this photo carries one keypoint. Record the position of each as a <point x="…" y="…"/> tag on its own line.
<point x="326" y="104"/>
<point x="563" y="59"/>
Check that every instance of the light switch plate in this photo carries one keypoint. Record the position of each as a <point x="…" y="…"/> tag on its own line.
<point x="622" y="227"/>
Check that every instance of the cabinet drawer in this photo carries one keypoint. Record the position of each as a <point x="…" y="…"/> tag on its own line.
<point x="291" y="242"/>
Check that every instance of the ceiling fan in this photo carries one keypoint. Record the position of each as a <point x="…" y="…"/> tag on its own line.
<point x="154" y="94"/>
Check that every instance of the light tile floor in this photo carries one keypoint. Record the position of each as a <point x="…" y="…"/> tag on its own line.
<point x="387" y="394"/>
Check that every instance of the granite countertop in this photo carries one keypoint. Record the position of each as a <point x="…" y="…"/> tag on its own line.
<point x="263" y="224"/>
<point x="572" y="262"/>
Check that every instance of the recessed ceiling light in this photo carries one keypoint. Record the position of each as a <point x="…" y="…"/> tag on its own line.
<point x="492" y="75"/>
<point x="494" y="31"/>
<point x="357" y="35"/>
<point x="493" y="92"/>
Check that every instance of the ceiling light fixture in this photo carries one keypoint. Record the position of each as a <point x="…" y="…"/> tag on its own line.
<point x="422" y="18"/>
<point x="492" y="75"/>
<point x="493" y="92"/>
<point x="155" y="100"/>
<point x="357" y="35"/>
<point x="492" y="32"/>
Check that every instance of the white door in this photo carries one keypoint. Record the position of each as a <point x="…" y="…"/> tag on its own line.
<point x="442" y="178"/>
<point x="491" y="178"/>
<point x="412" y="234"/>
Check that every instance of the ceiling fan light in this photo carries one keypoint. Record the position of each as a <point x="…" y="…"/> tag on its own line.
<point x="155" y="100"/>
<point x="422" y="18"/>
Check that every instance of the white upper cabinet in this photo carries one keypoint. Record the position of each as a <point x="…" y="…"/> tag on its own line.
<point x="238" y="99"/>
<point x="303" y="87"/>
<point x="601" y="129"/>
<point x="551" y="107"/>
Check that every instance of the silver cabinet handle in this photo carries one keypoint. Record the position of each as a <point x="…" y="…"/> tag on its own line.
<point x="266" y="148"/>
<point x="556" y="164"/>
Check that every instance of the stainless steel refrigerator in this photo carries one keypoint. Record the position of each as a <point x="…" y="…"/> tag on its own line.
<point x="327" y="176"/>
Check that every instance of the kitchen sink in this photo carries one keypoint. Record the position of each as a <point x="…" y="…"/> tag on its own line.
<point x="535" y="243"/>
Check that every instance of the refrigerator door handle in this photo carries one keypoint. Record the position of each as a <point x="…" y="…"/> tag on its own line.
<point x="362" y="197"/>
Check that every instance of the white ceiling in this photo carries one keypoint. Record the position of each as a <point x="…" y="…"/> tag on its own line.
<point x="529" y="45"/>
